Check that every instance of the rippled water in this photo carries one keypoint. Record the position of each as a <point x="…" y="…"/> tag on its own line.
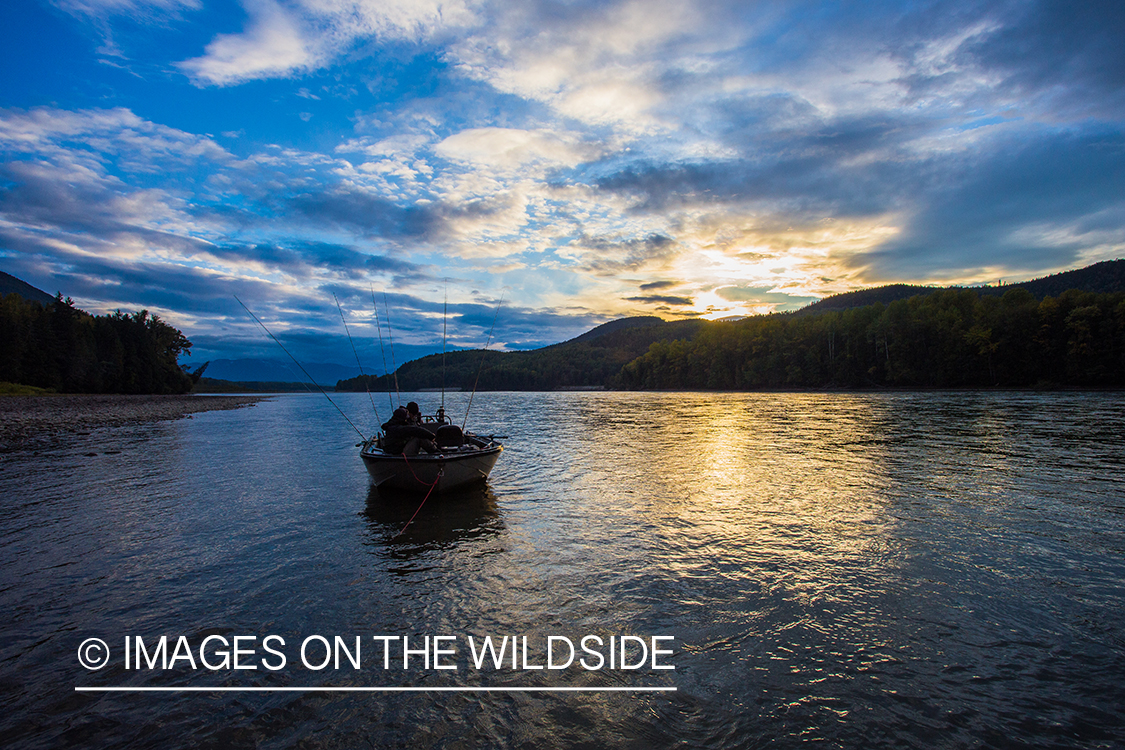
<point x="868" y="570"/>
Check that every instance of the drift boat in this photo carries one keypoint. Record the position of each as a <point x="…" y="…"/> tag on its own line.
<point x="462" y="459"/>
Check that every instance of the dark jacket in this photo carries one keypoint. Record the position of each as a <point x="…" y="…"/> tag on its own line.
<point x="397" y="431"/>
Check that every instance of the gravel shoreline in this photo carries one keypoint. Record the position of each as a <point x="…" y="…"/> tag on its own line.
<point x="28" y="422"/>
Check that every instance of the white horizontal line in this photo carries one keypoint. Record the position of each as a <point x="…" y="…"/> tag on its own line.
<point x="373" y="689"/>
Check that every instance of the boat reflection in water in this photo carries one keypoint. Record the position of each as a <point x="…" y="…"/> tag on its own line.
<point x="469" y="513"/>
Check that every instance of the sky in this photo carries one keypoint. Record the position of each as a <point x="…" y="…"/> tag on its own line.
<point x="547" y="166"/>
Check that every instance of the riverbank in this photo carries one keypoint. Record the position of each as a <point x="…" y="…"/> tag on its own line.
<point x="29" y="422"/>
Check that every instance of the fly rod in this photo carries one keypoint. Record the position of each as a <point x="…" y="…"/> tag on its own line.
<point x="361" y="373"/>
<point x="379" y="328"/>
<point x="391" y="341"/>
<point x="482" y="356"/>
<point x="444" y="329"/>
<point x="310" y="377"/>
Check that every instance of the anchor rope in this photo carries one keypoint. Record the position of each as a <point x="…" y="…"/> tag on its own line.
<point x="441" y="473"/>
<point x="441" y="470"/>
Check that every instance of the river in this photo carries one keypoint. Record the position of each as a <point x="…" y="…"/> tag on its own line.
<point x="864" y="570"/>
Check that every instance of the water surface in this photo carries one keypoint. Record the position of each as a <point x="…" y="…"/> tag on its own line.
<point x="867" y="570"/>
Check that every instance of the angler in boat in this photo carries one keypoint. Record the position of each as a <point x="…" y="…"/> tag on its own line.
<point x="394" y="458"/>
<point x="443" y="458"/>
<point x="460" y="458"/>
<point x="404" y="433"/>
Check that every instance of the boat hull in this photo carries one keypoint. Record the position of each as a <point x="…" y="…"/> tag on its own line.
<point x="443" y="472"/>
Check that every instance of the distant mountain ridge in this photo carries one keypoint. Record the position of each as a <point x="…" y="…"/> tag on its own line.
<point x="277" y="371"/>
<point x="211" y="385"/>
<point x="612" y="326"/>
<point x="1100" y="278"/>
<point x="588" y="361"/>
<point x="626" y="352"/>
<point x="9" y="284"/>
<point x="863" y="297"/>
<point x="596" y="358"/>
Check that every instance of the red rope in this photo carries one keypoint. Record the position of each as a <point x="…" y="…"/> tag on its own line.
<point x="441" y="473"/>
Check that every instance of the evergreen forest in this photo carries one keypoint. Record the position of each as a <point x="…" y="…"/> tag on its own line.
<point x="946" y="339"/>
<point x="591" y="360"/>
<point x="62" y="348"/>
<point x="943" y="338"/>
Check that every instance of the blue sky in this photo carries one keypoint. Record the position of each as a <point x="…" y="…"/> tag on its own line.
<point x="584" y="160"/>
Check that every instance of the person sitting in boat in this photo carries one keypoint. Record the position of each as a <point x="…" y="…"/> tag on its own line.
<point x="416" y="417"/>
<point x="400" y="436"/>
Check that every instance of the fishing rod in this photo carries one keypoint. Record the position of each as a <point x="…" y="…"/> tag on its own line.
<point x="310" y="377"/>
<point x="361" y="373"/>
<point x="391" y="340"/>
<point x="481" y="367"/>
<point x="444" y="319"/>
<point x="379" y="328"/>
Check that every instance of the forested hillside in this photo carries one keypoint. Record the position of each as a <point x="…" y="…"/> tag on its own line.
<point x="1105" y="277"/>
<point x="944" y="339"/>
<point x="11" y="285"/>
<point x="1065" y="330"/>
<point x="60" y="347"/>
<point x="590" y="360"/>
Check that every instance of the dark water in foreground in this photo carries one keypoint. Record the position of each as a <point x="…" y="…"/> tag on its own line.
<point x="888" y="570"/>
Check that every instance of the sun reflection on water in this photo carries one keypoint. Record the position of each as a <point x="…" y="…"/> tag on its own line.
<point x="863" y="569"/>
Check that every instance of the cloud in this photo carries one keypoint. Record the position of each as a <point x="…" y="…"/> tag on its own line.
<point x="284" y="39"/>
<point x="98" y="178"/>
<point x="610" y="256"/>
<point x="589" y="62"/>
<point x="664" y="300"/>
<point x="374" y="215"/>
<point x="105" y="8"/>
<point x="764" y="296"/>
<point x="273" y="45"/>
<point x="42" y="197"/>
<point x="1038" y="201"/>
<point x="511" y="148"/>
<point x="1066" y="57"/>
<point x="598" y="158"/>
<point x="104" y="15"/>
<point x="73" y="196"/>
<point x="97" y="134"/>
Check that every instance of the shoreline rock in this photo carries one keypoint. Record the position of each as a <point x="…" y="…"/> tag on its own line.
<point x="29" y="422"/>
